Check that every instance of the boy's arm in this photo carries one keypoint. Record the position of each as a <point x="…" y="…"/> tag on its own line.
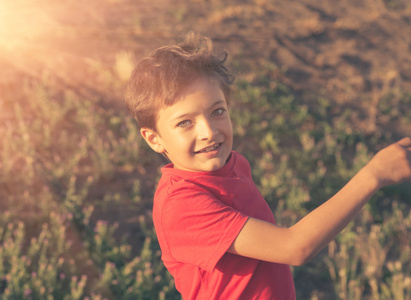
<point x="301" y="242"/>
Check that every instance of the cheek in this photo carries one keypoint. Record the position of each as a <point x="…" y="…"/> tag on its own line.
<point x="229" y="128"/>
<point x="179" y="141"/>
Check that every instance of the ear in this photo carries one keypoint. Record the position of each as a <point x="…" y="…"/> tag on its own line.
<point x="153" y="139"/>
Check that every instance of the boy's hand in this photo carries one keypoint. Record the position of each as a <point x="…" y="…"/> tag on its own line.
<point x="392" y="164"/>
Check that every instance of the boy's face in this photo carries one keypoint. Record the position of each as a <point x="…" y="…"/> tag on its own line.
<point x="196" y="132"/>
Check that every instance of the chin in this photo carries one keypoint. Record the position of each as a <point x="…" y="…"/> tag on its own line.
<point x="217" y="166"/>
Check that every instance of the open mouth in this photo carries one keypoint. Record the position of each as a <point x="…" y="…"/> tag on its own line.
<point x="209" y="149"/>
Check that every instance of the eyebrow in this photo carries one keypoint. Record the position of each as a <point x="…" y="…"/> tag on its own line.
<point x="218" y="102"/>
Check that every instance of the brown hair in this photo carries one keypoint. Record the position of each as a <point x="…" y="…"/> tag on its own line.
<point x="160" y="78"/>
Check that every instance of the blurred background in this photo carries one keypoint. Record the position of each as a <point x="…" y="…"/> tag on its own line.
<point x="320" y="87"/>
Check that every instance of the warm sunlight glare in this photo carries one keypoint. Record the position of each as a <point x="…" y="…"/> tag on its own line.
<point x="22" y="24"/>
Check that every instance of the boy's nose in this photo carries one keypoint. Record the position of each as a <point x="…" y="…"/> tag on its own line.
<point x="206" y="130"/>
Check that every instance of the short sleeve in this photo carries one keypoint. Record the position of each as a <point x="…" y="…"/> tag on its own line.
<point x="198" y="228"/>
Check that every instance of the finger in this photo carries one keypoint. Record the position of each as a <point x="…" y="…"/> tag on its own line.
<point x="405" y="142"/>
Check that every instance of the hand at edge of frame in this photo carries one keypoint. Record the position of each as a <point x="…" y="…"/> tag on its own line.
<point x="392" y="164"/>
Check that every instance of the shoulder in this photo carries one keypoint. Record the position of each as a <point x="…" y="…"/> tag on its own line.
<point x="176" y="193"/>
<point x="183" y="203"/>
<point x="170" y="184"/>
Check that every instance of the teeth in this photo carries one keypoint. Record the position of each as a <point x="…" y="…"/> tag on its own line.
<point x="210" y="148"/>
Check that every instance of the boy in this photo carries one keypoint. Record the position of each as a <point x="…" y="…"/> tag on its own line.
<point x="217" y="234"/>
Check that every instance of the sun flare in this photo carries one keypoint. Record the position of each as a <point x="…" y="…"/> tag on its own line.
<point x="36" y="36"/>
<point x="22" y="24"/>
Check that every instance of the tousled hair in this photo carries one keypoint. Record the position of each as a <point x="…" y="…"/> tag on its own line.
<point x="159" y="79"/>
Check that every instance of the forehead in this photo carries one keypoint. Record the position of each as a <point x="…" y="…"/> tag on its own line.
<point x="206" y="86"/>
<point x="202" y="94"/>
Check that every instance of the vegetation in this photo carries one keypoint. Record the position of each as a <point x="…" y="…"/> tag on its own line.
<point x="77" y="181"/>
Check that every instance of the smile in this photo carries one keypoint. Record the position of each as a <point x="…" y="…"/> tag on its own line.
<point x="208" y="149"/>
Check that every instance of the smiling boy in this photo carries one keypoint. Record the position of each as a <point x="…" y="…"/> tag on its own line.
<point x="217" y="234"/>
<point x="195" y="133"/>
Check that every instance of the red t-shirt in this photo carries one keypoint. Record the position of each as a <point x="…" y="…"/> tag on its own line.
<point x="197" y="216"/>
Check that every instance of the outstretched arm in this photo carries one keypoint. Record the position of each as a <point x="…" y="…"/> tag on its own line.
<point x="301" y="242"/>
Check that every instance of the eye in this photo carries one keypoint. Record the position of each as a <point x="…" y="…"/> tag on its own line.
<point x="184" y="123"/>
<point x="218" y="112"/>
